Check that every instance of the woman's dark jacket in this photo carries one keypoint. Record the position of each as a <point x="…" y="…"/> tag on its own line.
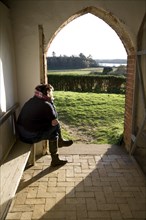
<point x="36" y="115"/>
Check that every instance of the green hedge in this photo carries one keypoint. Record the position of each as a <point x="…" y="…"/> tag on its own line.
<point x="88" y="83"/>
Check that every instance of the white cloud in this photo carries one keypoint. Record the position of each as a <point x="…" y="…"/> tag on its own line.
<point x="88" y="35"/>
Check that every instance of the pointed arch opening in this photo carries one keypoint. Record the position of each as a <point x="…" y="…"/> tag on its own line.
<point x="119" y="27"/>
<point x="107" y="17"/>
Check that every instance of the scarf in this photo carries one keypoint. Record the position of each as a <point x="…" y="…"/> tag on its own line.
<point x="40" y="95"/>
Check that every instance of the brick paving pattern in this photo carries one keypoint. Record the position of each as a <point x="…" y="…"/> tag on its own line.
<point x="101" y="187"/>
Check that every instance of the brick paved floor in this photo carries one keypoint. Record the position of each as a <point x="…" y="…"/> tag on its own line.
<point x="90" y="186"/>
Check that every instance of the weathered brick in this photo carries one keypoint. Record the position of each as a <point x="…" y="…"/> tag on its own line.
<point x="23" y="208"/>
<point x="116" y="215"/>
<point x="14" y="216"/>
<point x="39" y="211"/>
<point x="75" y="192"/>
<point x="84" y="194"/>
<point x="35" y="201"/>
<point x="91" y="204"/>
<point x="108" y="207"/>
<point x="99" y="214"/>
<point x="125" y="211"/>
<point x="26" y="216"/>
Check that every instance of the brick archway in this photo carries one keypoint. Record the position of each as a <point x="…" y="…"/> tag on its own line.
<point x="119" y="27"/>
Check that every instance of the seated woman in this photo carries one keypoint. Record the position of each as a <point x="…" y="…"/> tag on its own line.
<point x="38" y="120"/>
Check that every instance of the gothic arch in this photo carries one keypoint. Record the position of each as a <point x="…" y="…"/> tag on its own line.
<point x="120" y="28"/>
<point x="110" y="19"/>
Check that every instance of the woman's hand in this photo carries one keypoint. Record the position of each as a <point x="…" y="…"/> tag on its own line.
<point x="55" y="122"/>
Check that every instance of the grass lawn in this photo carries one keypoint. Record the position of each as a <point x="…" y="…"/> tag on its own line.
<point x="91" y="117"/>
<point x="76" y="71"/>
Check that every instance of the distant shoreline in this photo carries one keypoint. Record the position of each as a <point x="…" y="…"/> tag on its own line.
<point x="113" y="61"/>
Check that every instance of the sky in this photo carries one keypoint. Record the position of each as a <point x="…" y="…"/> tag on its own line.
<point x="88" y="35"/>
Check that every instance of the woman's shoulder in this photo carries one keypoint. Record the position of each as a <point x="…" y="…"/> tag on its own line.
<point x="49" y="103"/>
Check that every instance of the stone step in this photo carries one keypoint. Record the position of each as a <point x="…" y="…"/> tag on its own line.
<point x="98" y="149"/>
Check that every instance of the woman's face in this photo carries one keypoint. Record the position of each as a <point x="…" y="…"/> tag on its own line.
<point x="50" y="93"/>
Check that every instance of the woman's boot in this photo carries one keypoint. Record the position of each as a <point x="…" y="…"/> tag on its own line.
<point x="62" y="142"/>
<point x="53" y="148"/>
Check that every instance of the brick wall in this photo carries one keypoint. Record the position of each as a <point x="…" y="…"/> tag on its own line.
<point x="131" y="70"/>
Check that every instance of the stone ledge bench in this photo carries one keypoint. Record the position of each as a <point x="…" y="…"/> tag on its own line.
<point x="12" y="166"/>
<point x="11" y="172"/>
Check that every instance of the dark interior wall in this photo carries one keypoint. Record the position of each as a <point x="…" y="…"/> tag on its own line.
<point x="139" y="128"/>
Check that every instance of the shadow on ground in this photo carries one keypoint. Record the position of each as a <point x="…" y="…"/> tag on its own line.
<point x="90" y="186"/>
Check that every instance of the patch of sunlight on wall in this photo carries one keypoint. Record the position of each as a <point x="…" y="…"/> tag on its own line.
<point x="2" y="89"/>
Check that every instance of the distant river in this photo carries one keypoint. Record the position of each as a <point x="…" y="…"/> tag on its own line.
<point x="112" y="64"/>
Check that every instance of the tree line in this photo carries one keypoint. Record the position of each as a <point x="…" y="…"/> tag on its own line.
<point x="70" y="62"/>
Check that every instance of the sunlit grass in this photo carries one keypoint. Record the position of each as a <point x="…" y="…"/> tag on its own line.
<point x="76" y="71"/>
<point x="98" y="118"/>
